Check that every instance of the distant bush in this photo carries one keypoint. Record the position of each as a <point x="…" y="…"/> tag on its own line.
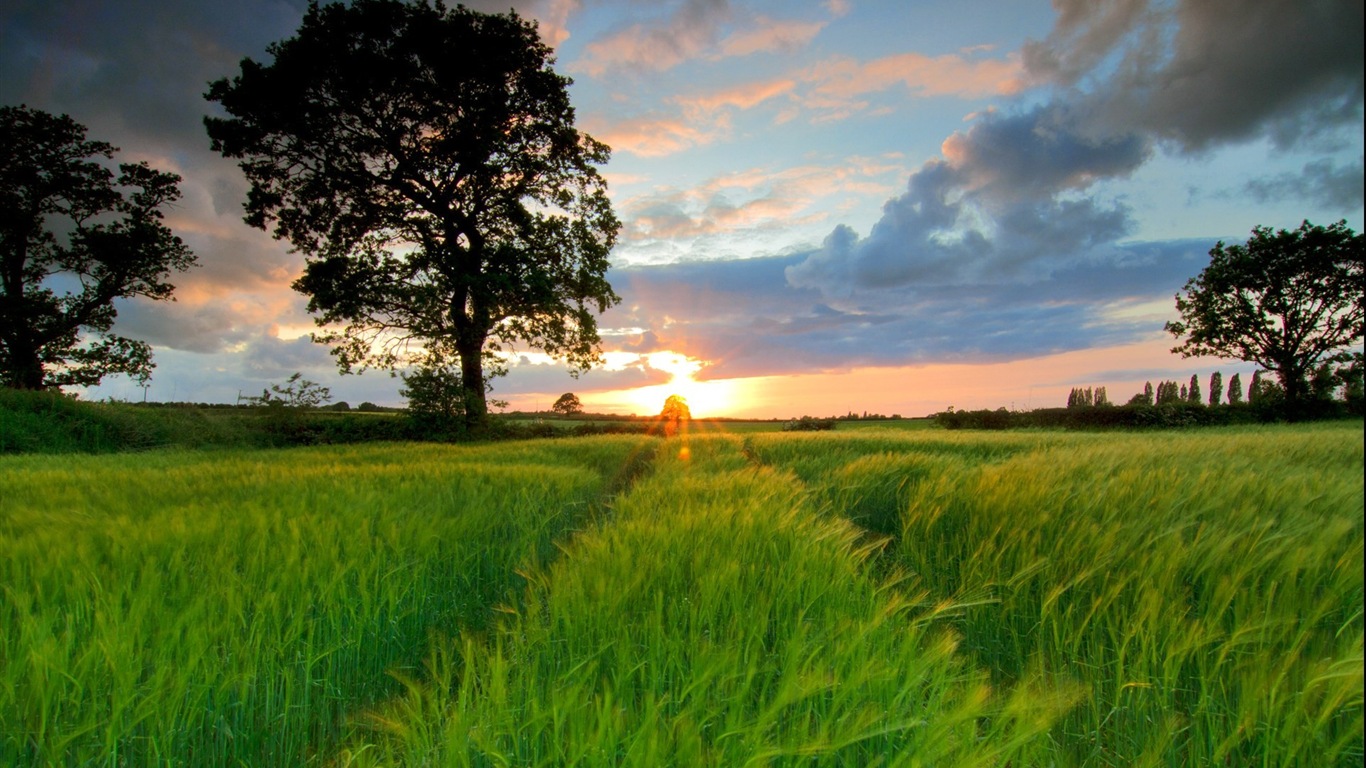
<point x="809" y="424"/>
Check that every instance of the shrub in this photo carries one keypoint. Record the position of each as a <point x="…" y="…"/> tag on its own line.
<point x="809" y="424"/>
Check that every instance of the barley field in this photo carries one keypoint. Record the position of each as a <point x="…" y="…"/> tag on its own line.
<point x="855" y="598"/>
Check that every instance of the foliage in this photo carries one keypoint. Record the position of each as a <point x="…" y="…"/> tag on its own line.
<point x="1235" y="390"/>
<point x="568" y="403"/>
<point x="436" y="397"/>
<point x="1286" y="300"/>
<point x="1216" y="388"/>
<point x="426" y="161"/>
<point x="809" y="424"/>
<point x="296" y="392"/>
<point x="675" y="409"/>
<point x="74" y="238"/>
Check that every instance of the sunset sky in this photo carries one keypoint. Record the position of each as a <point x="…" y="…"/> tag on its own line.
<point x="831" y="206"/>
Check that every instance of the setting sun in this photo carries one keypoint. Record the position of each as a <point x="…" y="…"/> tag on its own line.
<point x="705" y="398"/>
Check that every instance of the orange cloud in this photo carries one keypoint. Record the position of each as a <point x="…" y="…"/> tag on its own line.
<point x="744" y="96"/>
<point x="656" y="137"/>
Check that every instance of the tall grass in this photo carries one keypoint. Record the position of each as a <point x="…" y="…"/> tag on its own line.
<point x="716" y="621"/>
<point x="841" y="599"/>
<point x="233" y="608"/>
<point x="1205" y="589"/>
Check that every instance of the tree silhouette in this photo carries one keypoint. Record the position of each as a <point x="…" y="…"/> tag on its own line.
<point x="73" y="238"/>
<point x="567" y="404"/>
<point x="1285" y="300"/>
<point x="426" y="161"/>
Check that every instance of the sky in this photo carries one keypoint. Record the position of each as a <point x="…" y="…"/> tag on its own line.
<point x="828" y="207"/>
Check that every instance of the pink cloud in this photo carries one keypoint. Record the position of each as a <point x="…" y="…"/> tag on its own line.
<point x="835" y="83"/>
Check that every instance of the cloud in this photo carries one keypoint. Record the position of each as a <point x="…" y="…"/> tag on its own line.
<point x="748" y="318"/>
<point x="1320" y="182"/>
<point x="997" y="205"/>
<point x="777" y="204"/>
<point x="770" y="35"/>
<point x="693" y="28"/>
<point x="698" y="29"/>
<point x="1199" y="73"/>
<point x="833" y="89"/>
<point x="744" y="96"/>
<point x="835" y="84"/>
<point x="655" y="136"/>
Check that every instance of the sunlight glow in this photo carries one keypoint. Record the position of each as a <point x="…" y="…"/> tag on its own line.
<point x="705" y="398"/>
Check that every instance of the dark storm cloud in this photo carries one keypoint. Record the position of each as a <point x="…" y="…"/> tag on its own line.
<point x="134" y="70"/>
<point x="1205" y="72"/>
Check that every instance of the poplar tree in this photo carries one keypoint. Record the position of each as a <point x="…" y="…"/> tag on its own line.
<point x="1235" y="390"/>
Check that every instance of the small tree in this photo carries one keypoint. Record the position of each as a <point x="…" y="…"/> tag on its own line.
<point x="1167" y="392"/>
<point x="1254" y="390"/>
<point x="568" y="403"/>
<point x="73" y="239"/>
<point x="1102" y="399"/>
<point x="1322" y="382"/>
<point x="1193" y="391"/>
<point x="436" y="398"/>
<point x="1235" y="390"/>
<point x="675" y="414"/>
<point x="297" y="393"/>
<point x="1148" y="393"/>
<point x="1216" y="388"/>
<point x="1285" y="300"/>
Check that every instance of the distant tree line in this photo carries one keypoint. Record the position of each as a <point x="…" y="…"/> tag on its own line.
<point x="1333" y="391"/>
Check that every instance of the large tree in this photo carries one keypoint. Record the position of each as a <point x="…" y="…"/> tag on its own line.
<point x="73" y="238"/>
<point x="1286" y="300"/>
<point x="425" y="160"/>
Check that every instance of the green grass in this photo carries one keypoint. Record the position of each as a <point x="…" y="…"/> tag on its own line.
<point x="1204" y="588"/>
<point x="716" y="621"/>
<point x="233" y="608"/>
<point x="879" y="596"/>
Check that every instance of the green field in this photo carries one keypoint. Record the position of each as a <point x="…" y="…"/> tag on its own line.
<point x="861" y="597"/>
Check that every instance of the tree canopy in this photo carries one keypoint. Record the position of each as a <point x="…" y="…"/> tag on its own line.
<point x="1286" y="300"/>
<point x="567" y="404"/>
<point x="425" y="160"/>
<point x="73" y="238"/>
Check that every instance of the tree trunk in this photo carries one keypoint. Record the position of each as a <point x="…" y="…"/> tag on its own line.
<point x="27" y="372"/>
<point x="470" y="347"/>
